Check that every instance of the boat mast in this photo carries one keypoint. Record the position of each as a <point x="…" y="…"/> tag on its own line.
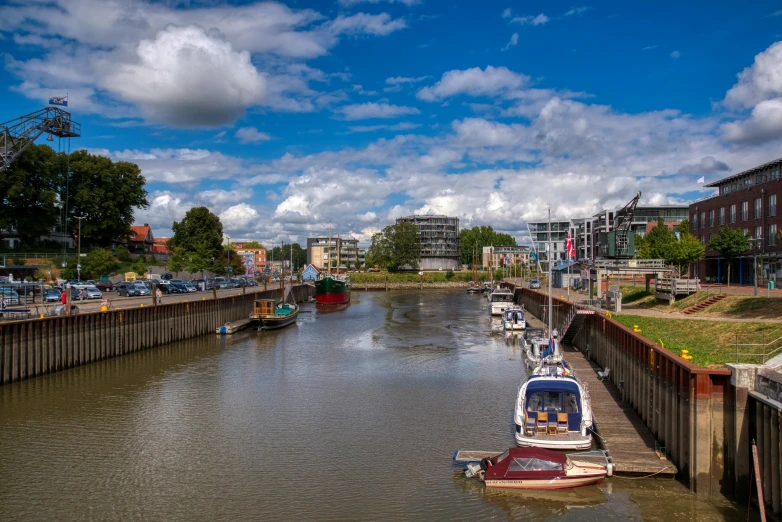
<point x="548" y="247"/>
<point x="282" y="269"/>
<point x="328" y="256"/>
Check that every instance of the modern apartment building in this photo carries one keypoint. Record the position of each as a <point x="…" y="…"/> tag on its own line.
<point x="440" y="241"/>
<point x="746" y="201"/>
<point x="343" y="253"/>
<point x="541" y="233"/>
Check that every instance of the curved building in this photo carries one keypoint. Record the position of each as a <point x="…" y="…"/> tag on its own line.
<point x="440" y="241"/>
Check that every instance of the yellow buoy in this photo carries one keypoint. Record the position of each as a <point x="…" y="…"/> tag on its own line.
<point x="104" y="308"/>
<point x="142" y="305"/>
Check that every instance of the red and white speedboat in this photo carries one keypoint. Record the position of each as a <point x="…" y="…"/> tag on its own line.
<point x="535" y="468"/>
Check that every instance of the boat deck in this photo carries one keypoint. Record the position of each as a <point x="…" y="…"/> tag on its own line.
<point x="622" y="432"/>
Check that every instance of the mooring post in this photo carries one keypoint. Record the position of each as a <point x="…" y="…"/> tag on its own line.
<point x="758" y="482"/>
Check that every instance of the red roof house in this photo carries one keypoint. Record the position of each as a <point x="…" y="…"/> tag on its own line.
<point x="141" y="239"/>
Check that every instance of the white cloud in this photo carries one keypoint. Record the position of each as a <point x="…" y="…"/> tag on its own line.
<point x="649" y="47"/>
<point x="761" y="81"/>
<point x="474" y="82"/>
<point x="363" y="111"/>
<point x="531" y="20"/>
<point x="577" y="10"/>
<point x="507" y="13"/>
<point x="188" y="77"/>
<point x="676" y="54"/>
<point x="363" y="23"/>
<point x="764" y="124"/>
<point x="238" y="217"/>
<point x="351" y="3"/>
<point x="402" y="79"/>
<point x="514" y="40"/>
<point x="401" y="126"/>
<point x="251" y="135"/>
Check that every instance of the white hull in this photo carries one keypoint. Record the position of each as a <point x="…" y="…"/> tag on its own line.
<point x="498" y="307"/>
<point x="510" y="325"/>
<point x="546" y="483"/>
<point x="570" y="441"/>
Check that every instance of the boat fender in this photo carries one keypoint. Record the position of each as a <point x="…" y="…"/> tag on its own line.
<point x="486" y="463"/>
<point x="609" y="470"/>
<point x="222" y="330"/>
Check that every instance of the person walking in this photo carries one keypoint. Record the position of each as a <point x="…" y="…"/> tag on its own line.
<point x="64" y="295"/>
<point x="2" y="307"/>
<point x="159" y="296"/>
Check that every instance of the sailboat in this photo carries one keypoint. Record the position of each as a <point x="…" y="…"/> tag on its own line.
<point x="331" y="289"/>
<point x="474" y="286"/>
<point x="553" y="409"/>
<point x="272" y="314"/>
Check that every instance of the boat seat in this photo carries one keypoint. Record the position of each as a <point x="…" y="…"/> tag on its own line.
<point x="562" y="422"/>
<point x="542" y="423"/>
<point x="601" y="376"/>
<point x="552" y="424"/>
<point x="530" y="422"/>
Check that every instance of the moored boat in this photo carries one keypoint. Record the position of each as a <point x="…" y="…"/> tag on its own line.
<point x="331" y="290"/>
<point x="513" y="319"/>
<point x="535" y="468"/>
<point x="500" y="299"/>
<point x="272" y="314"/>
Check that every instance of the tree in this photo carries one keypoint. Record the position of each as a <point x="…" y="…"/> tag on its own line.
<point x="98" y="262"/>
<point x="178" y="261"/>
<point x="658" y="244"/>
<point x="396" y="247"/>
<point x="140" y="266"/>
<point x="28" y="193"/>
<point x="200" y="234"/>
<point x="105" y="193"/>
<point x="474" y="239"/>
<point x="730" y="243"/>
<point x="122" y="254"/>
<point x="687" y="250"/>
<point x="299" y="254"/>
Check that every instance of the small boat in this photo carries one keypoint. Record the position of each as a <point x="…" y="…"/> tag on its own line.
<point x="553" y="412"/>
<point x="474" y="287"/>
<point x="272" y="314"/>
<point x="513" y="319"/>
<point x="500" y="299"/>
<point x="535" y="468"/>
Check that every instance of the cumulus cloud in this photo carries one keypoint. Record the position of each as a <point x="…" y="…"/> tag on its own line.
<point x="402" y="80"/>
<point x="507" y="13"/>
<point x="764" y="124"/>
<point x="238" y="217"/>
<point x="491" y="81"/>
<point x="401" y="126"/>
<point x="676" y="54"/>
<point x="188" y="77"/>
<point x="362" y="23"/>
<point x="351" y="3"/>
<point x="707" y="165"/>
<point x="758" y="82"/>
<point x="363" y="111"/>
<point x="251" y="135"/>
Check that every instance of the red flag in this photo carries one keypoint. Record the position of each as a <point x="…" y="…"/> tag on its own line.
<point x="570" y="250"/>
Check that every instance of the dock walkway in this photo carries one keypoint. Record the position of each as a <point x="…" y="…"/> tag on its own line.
<point x="622" y="432"/>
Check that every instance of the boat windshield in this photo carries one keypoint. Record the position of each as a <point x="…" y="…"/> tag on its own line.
<point x="552" y="401"/>
<point x="503" y="456"/>
<point x="533" y="464"/>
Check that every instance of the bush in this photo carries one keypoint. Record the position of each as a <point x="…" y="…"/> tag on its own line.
<point x="449" y="275"/>
<point x="122" y="253"/>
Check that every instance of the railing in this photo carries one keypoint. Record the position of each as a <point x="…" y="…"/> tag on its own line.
<point x="629" y="263"/>
<point x="768" y="349"/>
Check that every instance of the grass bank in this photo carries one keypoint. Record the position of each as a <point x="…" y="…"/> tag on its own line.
<point x="711" y="343"/>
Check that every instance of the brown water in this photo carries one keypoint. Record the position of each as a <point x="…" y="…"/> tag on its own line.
<point x="351" y="415"/>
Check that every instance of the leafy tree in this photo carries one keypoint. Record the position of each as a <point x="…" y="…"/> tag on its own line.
<point x="140" y="266"/>
<point x="659" y="243"/>
<point x="474" y="239"/>
<point x="153" y="260"/>
<point x="69" y="272"/>
<point x="730" y="243"/>
<point x="28" y="193"/>
<point x="122" y="254"/>
<point x="299" y="254"/>
<point x="230" y="258"/>
<point x="98" y="262"/>
<point x="105" y="193"/>
<point x="398" y="245"/>
<point x="200" y="234"/>
<point x="200" y="259"/>
<point x="178" y="261"/>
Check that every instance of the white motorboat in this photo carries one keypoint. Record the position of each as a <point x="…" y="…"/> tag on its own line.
<point x="500" y="299"/>
<point x="542" y="351"/>
<point x="513" y="319"/>
<point x="553" y="412"/>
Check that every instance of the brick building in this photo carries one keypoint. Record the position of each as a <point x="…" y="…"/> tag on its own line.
<point x="745" y="201"/>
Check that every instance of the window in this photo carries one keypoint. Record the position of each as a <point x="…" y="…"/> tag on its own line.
<point x="533" y="464"/>
<point x="747" y="182"/>
<point x="758" y="208"/>
<point x="746" y="232"/>
<point x="694" y="224"/>
<point x="711" y="217"/>
<point x="772" y="205"/>
<point x="775" y="175"/>
<point x="703" y="219"/>
<point x="744" y="210"/>
<point x="760" y="178"/>
<point x="733" y="213"/>
<point x="703" y="240"/>
<point x="722" y="216"/>
<point x="758" y="232"/>
<point x="772" y="235"/>
<point x="710" y="248"/>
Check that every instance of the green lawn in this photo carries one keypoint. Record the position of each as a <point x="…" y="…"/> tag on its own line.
<point x="711" y="343"/>
<point x="750" y="307"/>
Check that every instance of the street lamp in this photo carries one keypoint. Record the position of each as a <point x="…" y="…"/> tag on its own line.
<point x="78" y="260"/>
<point x="759" y="242"/>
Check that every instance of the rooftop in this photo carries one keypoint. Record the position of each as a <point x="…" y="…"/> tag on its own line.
<point x="759" y="168"/>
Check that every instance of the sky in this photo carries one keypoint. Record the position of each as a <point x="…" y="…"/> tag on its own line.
<point x="290" y="120"/>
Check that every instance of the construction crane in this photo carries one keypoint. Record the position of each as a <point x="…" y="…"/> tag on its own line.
<point x="618" y="242"/>
<point x="18" y="134"/>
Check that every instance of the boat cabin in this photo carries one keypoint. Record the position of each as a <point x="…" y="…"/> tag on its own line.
<point x="552" y="406"/>
<point x="264" y="307"/>
<point x="527" y="463"/>
<point x="513" y="315"/>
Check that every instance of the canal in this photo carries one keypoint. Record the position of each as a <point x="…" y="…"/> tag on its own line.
<point x="349" y="415"/>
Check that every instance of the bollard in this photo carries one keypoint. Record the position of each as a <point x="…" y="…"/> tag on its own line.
<point x="141" y="305"/>
<point x="41" y="316"/>
<point x="636" y="329"/>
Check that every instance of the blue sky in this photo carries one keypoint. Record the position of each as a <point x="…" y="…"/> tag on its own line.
<point x="288" y="119"/>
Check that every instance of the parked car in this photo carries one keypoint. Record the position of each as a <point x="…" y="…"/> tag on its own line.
<point x="10" y="296"/>
<point x="167" y="288"/>
<point x="190" y="287"/>
<point x="104" y="286"/>
<point x="142" y="288"/>
<point x="180" y="287"/>
<point x="92" y="292"/>
<point x="534" y="284"/>
<point x="127" y="288"/>
<point x="52" y="295"/>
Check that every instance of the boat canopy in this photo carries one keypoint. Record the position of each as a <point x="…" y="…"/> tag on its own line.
<point x="521" y="463"/>
<point x="557" y="394"/>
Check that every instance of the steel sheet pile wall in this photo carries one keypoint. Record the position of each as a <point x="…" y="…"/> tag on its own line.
<point x="39" y="346"/>
<point x="683" y="405"/>
<point x="765" y="431"/>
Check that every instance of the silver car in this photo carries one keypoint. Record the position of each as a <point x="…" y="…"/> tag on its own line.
<point x="92" y="292"/>
<point x="142" y="288"/>
<point x="10" y="296"/>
